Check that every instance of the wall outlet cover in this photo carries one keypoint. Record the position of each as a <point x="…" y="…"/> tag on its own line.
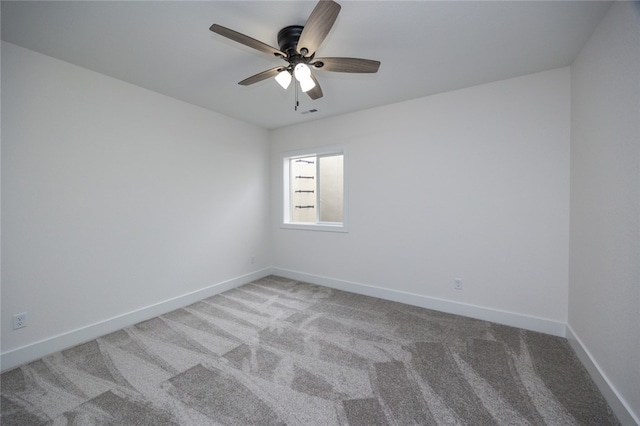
<point x="19" y="320"/>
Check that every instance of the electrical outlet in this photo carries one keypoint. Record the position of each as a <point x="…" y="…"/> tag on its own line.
<point x="457" y="284"/>
<point x="19" y="320"/>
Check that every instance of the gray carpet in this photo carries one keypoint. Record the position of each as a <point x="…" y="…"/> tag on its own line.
<point x="278" y="352"/>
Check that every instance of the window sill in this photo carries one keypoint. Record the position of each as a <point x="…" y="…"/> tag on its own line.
<point x="326" y="227"/>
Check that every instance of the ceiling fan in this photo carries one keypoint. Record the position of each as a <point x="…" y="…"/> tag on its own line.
<point x="298" y="45"/>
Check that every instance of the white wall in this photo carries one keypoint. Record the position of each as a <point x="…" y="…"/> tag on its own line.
<point x="604" y="286"/>
<point x="471" y="184"/>
<point x="116" y="198"/>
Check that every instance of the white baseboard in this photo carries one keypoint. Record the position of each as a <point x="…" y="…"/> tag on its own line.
<point x="526" y="322"/>
<point x="16" y="357"/>
<point x="609" y="392"/>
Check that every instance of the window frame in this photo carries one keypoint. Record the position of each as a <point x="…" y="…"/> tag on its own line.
<point x="285" y="214"/>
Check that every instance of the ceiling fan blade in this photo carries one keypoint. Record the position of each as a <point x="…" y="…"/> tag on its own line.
<point x="318" y="26"/>
<point x="261" y="76"/>
<point x="316" y="92"/>
<point x="355" y="65"/>
<point x="246" y="40"/>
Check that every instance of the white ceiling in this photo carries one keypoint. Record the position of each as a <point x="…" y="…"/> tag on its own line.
<point x="425" y="47"/>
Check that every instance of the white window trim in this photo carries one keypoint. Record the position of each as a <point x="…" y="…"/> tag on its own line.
<point x="285" y="213"/>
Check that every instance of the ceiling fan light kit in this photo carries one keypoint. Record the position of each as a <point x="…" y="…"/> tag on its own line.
<point x="298" y="45"/>
<point x="303" y="75"/>
<point x="284" y="79"/>
<point x="306" y="85"/>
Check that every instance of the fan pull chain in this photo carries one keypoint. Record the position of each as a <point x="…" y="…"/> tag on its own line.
<point x="297" y="104"/>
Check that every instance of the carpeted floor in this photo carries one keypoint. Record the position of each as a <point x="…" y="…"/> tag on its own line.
<point x="278" y="351"/>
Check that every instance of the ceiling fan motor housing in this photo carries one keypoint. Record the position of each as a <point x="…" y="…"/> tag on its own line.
<point x="288" y="39"/>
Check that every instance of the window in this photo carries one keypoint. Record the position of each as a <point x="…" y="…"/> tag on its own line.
<point x="314" y="190"/>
